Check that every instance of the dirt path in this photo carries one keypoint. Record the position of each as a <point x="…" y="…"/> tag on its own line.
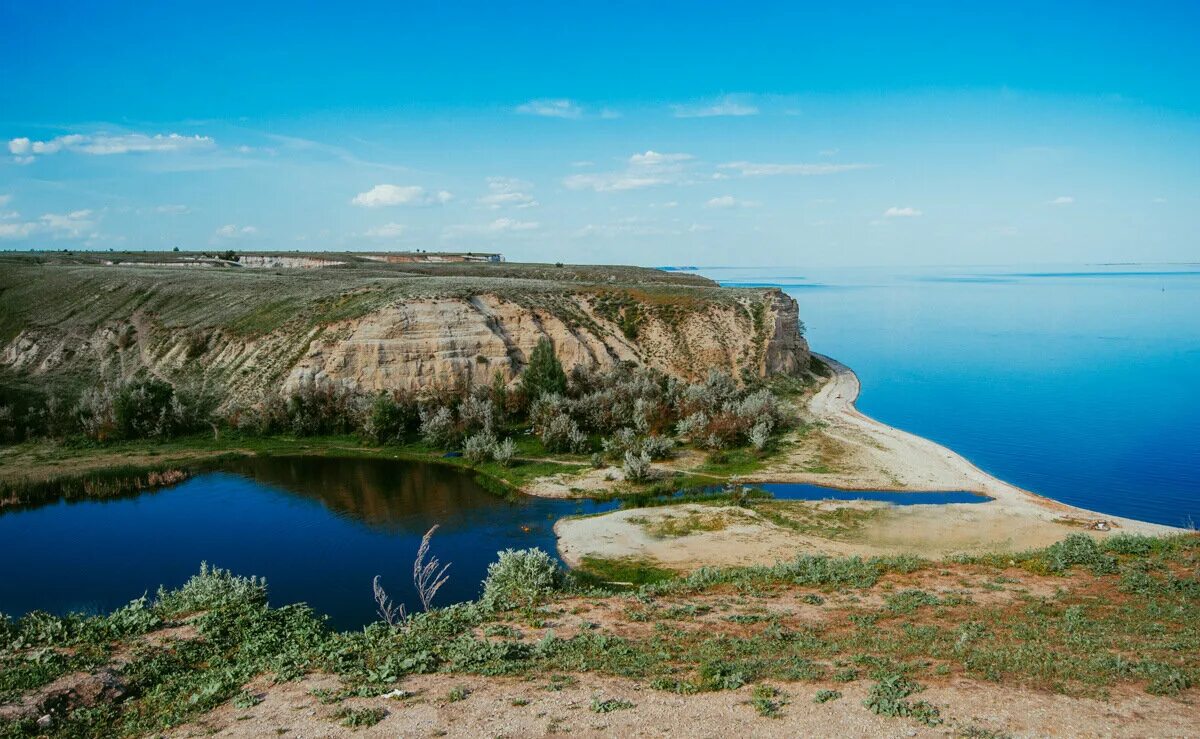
<point x="512" y="707"/>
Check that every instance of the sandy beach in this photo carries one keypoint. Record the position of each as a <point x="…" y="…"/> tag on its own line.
<point x="847" y="450"/>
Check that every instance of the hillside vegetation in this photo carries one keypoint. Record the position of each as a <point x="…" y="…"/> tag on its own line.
<point x="70" y="321"/>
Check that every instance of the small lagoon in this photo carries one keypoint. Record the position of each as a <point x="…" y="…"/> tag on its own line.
<point x="319" y="529"/>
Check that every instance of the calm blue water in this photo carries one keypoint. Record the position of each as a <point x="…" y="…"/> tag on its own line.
<point x="802" y="491"/>
<point x="1080" y="383"/>
<point x="318" y="529"/>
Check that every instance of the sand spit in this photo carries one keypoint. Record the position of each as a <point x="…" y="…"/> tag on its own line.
<point x="868" y="455"/>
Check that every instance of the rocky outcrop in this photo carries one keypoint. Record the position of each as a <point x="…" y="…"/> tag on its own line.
<point x="248" y="332"/>
<point x="454" y="342"/>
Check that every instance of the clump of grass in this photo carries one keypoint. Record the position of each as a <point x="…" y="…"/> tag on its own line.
<point x="457" y="693"/>
<point x="768" y="701"/>
<point x="889" y="697"/>
<point x="610" y="705"/>
<point x="360" y="718"/>
<point x="826" y="695"/>
<point x="560" y="682"/>
<point x="246" y="699"/>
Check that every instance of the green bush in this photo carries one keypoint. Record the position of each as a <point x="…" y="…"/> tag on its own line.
<point x="521" y="577"/>
<point x="212" y="588"/>
<point x="544" y="374"/>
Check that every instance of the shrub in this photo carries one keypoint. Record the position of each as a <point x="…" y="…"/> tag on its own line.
<point x="657" y="447"/>
<point x="212" y="588"/>
<point x="391" y="417"/>
<point x="544" y="373"/>
<point x="562" y="434"/>
<point x="438" y="428"/>
<point x="479" y="448"/>
<point x="476" y="414"/>
<point x="504" y="452"/>
<point x="760" y="435"/>
<point x="521" y="577"/>
<point x="621" y="443"/>
<point x="636" y="467"/>
<point x="314" y="408"/>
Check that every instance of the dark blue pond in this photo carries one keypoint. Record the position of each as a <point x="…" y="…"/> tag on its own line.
<point x="801" y="491"/>
<point x="318" y="529"/>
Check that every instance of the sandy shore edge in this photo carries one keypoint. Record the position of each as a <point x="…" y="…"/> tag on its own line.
<point x="917" y="464"/>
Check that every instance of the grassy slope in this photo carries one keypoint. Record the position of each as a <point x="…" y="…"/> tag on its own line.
<point x="1078" y="618"/>
<point x="77" y="295"/>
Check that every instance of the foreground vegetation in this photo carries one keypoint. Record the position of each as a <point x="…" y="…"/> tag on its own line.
<point x="1080" y="618"/>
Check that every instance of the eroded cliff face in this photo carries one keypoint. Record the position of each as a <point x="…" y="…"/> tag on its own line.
<point x="422" y="343"/>
<point x="453" y="342"/>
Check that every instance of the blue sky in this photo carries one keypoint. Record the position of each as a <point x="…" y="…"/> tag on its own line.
<point x="650" y="133"/>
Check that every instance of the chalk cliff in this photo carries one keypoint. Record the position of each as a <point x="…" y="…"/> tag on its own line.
<point x="251" y="331"/>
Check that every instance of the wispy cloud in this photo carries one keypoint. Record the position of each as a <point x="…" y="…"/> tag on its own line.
<point x="172" y="209"/>
<point x="25" y="150"/>
<point x="1062" y="200"/>
<point x="645" y="169"/>
<point x="898" y="212"/>
<point x="651" y="158"/>
<point x="234" y="231"/>
<point x="386" y="231"/>
<point x="767" y="169"/>
<point x="551" y="108"/>
<point x="382" y="196"/>
<point x="77" y="224"/>
<point x="730" y="105"/>
<point x="507" y="192"/>
<point x="494" y="228"/>
<point x="728" y="201"/>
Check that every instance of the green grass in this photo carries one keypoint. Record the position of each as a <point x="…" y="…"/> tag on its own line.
<point x="600" y="571"/>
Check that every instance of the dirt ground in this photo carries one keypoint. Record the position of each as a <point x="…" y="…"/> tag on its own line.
<point x="514" y="707"/>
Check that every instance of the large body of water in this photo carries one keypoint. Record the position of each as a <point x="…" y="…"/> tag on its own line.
<point x="1082" y="384"/>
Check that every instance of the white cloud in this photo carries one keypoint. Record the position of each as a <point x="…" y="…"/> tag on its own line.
<point x="632" y="226"/>
<point x="388" y="195"/>
<point x="496" y="227"/>
<point x="24" y="149"/>
<point x="507" y="191"/>
<point x="611" y="182"/>
<point x="753" y="169"/>
<point x="726" y="106"/>
<point x="551" y="108"/>
<point x="583" y="163"/>
<point x="1062" y="200"/>
<point x="729" y="201"/>
<point x="17" y="230"/>
<point x="898" y="212"/>
<point x="78" y="224"/>
<point x="4" y="200"/>
<point x="646" y="169"/>
<point x="387" y="231"/>
<point x="172" y="209"/>
<point x="655" y="159"/>
<point x="233" y="231"/>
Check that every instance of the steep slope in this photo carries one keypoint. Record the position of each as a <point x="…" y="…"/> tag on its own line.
<point x="375" y="326"/>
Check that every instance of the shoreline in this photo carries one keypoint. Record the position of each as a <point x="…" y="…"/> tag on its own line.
<point x="914" y="463"/>
<point x="869" y="455"/>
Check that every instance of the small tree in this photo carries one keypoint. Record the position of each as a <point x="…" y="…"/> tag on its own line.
<point x="544" y="373"/>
